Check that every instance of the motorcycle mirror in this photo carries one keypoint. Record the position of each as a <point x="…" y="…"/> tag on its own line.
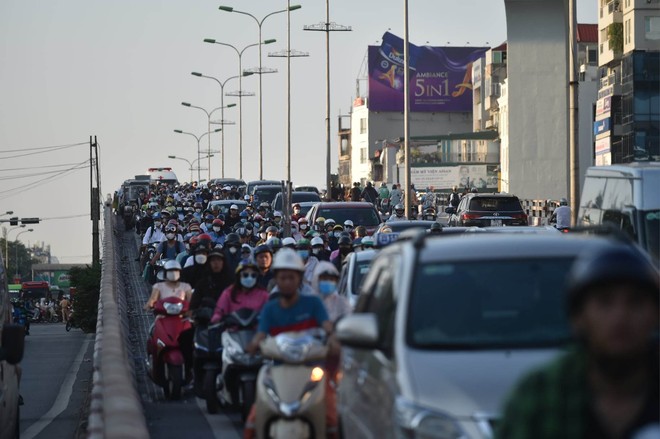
<point x="13" y="342"/>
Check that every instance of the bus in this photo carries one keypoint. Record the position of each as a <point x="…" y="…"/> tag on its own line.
<point x="35" y="290"/>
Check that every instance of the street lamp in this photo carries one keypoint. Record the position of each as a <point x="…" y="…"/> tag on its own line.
<point x="260" y="72"/>
<point x="240" y="92"/>
<point x="327" y="27"/>
<point x="223" y="122"/>
<point x="406" y="110"/>
<point x="7" y="242"/>
<point x="190" y="164"/>
<point x="199" y="139"/>
<point x="9" y="212"/>
<point x="16" y="246"/>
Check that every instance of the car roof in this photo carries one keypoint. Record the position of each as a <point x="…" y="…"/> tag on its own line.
<point x="407" y="224"/>
<point x="491" y="195"/>
<point x="267" y="186"/>
<point x="214" y="202"/>
<point x="365" y="255"/>
<point x="498" y="246"/>
<point x="345" y="205"/>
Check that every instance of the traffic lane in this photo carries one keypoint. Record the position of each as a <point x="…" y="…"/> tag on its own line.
<point x="54" y="366"/>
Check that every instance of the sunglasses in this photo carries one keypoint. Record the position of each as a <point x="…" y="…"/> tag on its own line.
<point x="245" y="275"/>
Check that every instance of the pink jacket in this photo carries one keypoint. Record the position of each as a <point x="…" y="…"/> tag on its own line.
<point x="255" y="298"/>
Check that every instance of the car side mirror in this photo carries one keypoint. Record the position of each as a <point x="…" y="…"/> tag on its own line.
<point x="13" y="342"/>
<point x="358" y="330"/>
<point x="450" y="210"/>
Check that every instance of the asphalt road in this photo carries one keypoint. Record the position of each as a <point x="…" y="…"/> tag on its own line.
<point x="57" y="370"/>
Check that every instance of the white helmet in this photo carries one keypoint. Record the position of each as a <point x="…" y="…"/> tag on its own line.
<point x="317" y="240"/>
<point x="172" y="264"/>
<point x="399" y="207"/>
<point x="288" y="241"/>
<point x="348" y="223"/>
<point x="287" y="259"/>
<point x="277" y="213"/>
<point x="233" y="207"/>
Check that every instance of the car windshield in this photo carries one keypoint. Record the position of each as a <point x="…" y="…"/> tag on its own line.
<point x="360" y="216"/>
<point x="223" y="206"/>
<point x="266" y="194"/>
<point x="651" y="224"/>
<point x="494" y="204"/>
<point x="400" y="226"/>
<point x="361" y="269"/>
<point x="489" y="304"/>
<point x="296" y="197"/>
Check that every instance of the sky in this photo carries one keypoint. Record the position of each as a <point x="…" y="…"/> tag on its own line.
<point x="119" y="70"/>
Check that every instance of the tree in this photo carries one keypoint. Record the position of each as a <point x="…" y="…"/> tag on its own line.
<point x="87" y="282"/>
<point x="17" y="252"/>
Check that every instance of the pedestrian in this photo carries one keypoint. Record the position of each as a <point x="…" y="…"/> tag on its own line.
<point x="356" y="193"/>
<point x="607" y="385"/>
<point x="370" y="194"/>
<point x="396" y="196"/>
<point x="454" y="197"/>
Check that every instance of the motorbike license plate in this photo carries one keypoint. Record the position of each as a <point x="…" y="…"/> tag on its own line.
<point x="289" y="429"/>
<point x="496" y="223"/>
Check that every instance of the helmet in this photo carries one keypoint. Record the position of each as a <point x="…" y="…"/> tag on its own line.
<point x="329" y="222"/>
<point x="344" y="240"/>
<point x="246" y="263"/>
<point x="274" y="243"/>
<point x="320" y="220"/>
<point x="357" y="242"/>
<point x="348" y="223"/>
<point x="263" y="248"/>
<point x="289" y="242"/>
<point x="277" y="213"/>
<point x="361" y="231"/>
<point x="303" y="220"/>
<point x="172" y="264"/>
<point x="244" y="214"/>
<point x="233" y="207"/>
<point x="170" y="228"/>
<point x="156" y="216"/>
<point x="474" y="190"/>
<point x="303" y="244"/>
<point x="272" y="229"/>
<point x="338" y="228"/>
<point x="317" y="240"/>
<point x="209" y="217"/>
<point x="367" y="242"/>
<point x="607" y="266"/>
<point x="399" y="207"/>
<point x="436" y="227"/>
<point x="193" y="227"/>
<point x="288" y="259"/>
<point x="296" y="205"/>
<point x="193" y="241"/>
<point x="258" y="217"/>
<point x="563" y="202"/>
<point x="246" y="198"/>
<point x="232" y="239"/>
<point x="203" y="242"/>
<point x="264" y="205"/>
<point x="218" y="222"/>
<point x="216" y="251"/>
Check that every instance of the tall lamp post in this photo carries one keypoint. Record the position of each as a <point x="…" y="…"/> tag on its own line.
<point x="7" y="242"/>
<point x="240" y="92"/>
<point x="406" y="110"/>
<point x="208" y="117"/>
<point x="199" y="139"/>
<point x="9" y="212"/>
<point x="327" y="27"/>
<point x="223" y="122"/>
<point x="190" y="164"/>
<point x="260" y="71"/>
<point x="16" y="246"/>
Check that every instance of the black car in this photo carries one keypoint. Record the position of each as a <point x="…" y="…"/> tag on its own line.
<point x="484" y="210"/>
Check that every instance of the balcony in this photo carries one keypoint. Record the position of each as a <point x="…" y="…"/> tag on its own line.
<point x="610" y="13"/>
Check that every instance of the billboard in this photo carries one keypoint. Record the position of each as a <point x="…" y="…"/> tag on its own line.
<point x="603" y="106"/>
<point x="444" y="177"/>
<point x="602" y="126"/>
<point x="440" y="77"/>
<point x="602" y="145"/>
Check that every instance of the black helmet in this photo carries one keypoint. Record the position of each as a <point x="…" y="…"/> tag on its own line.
<point x="263" y="248"/>
<point x="344" y="240"/>
<point x="232" y="239"/>
<point x="272" y="229"/>
<point x="612" y="264"/>
<point x="436" y="227"/>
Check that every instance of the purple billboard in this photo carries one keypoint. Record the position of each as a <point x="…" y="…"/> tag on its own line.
<point x="440" y="77"/>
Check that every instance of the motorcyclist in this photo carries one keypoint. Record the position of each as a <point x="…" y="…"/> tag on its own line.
<point x="370" y="194"/>
<point x="344" y="249"/>
<point x="171" y="247"/>
<point x="153" y="235"/>
<point x="245" y="292"/>
<point x="399" y="213"/>
<point x="232" y="219"/>
<point x="348" y="226"/>
<point x="232" y="251"/>
<point x="264" y="258"/>
<point x="217" y="234"/>
<point x="296" y="213"/>
<point x="195" y="266"/>
<point x="562" y="215"/>
<point x="454" y="198"/>
<point x="172" y="286"/>
<point x="304" y="247"/>
<point x="213" y="282"/>
<point x="292" y="311"/>
<point x="333" y="238"/>
<point x="319" y="250"/>
<point x="324" y="283"/>
<point x="383" y="193"/>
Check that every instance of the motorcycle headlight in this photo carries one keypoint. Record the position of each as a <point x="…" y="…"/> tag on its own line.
<point x="173" y="309"/>
<point x="415" y="422"/>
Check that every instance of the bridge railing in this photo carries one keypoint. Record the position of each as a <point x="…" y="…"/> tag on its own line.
<point x="115" y="407"/>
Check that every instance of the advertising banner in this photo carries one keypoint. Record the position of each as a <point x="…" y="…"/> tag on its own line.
<point x="603" y="145"/>
<point x="604" y="159"/>
<point x="440" y="77"/>
<point x="604" y="105"/>
<point x="602" y="126"/>
<point x="463" y="176"/>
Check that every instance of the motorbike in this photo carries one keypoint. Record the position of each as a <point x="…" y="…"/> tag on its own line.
<point x="207" y="358"/>
<point x="72" y="322"/>
<point x="290" y="399"/>
<point x="385" y="207"/>
<point x="429" y="214"/>
<point x="129" y="216"/>
<point x="20" y="317"/>
<point x="239" y="368"/>
<point x="165" y="360"/>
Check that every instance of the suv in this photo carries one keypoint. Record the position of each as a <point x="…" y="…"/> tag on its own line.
<point x="361" y="213"/>
<point x="266" y="193"/>
<point x="296" y="197"/>
<point x="11" y="353"/>
<point x="445" y="326"/>
<point x="482" y="210"/>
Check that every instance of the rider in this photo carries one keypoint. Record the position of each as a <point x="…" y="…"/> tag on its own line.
<point x="170" y="287"/>
<point x="213" y="282"/>
<point x="318" y="249"/>
<point x="399" y="213"/>
<point x="169" y="248"/>
<point x="264" y="257"/>
<point x="383" y="193"/>
<point x="245" y="292"/>
<point x="217" y="234"/>
<point x="303" y="247"/>
<point x="195" y="266"/>
<point x="562" y="215"/>
<point x="345" y="248"/>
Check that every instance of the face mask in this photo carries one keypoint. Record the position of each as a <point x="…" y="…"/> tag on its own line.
<point x="208" y="225"/>
<point x="170" y="236"/>
<point x="348" y="229"/>
<point x="337" y="234"/>
<point x="327" y="287"/>
<point x="296" y="211"/>
<point x="173" y="276"/>
<point x="200" y="259"/>
<point x="248" y="282"/>
<point x="303" y="227"/>
<point x="316" y="251"/>
<point x="304" y="254"/>
<point x="233" y="250"/>
<point x="244" y="220"/>
<point x="198" y="210"/>
<point x="179" y="209"/>
<point x="217" y="229"/>
<point x="187" y="247"/>
<point x="262" y="235"/>
<point x="257" y="225"/>
<point x="157" y="223"/>
<point x="278" y="220"/>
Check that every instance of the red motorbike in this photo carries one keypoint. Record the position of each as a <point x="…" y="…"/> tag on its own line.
<point x="165" y="360"/>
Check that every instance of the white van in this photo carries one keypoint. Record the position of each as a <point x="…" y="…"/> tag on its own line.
<point x="162" y="175"/>
<point x="627" y="196"/>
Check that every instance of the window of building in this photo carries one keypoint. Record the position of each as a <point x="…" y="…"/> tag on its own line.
<point x="344" y="146"/>
<point x="363" y="125"/>
<point x="363" y="155"/>
<point x="652" y="28"/>
<point x="627" y="31"/>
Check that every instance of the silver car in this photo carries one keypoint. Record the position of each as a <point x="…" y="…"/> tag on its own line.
<point x="353" y="272"/>
<point x="444" y="327"/>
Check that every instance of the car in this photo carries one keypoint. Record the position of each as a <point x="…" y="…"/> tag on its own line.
<point x="12" y="338"/>
<point x="307" y="189"/>
<point x="266" y="193"/>
<point x="386" y="233"/>
<point x="355" y="267"/>
<point x="361" y="213"/>
<point x="306" y="206"/>
<point x="296" y="197"/>
<point x="222" y="182"/>
<point x="162" y="175"/>
<point x="251" y="185"/>
<point x="483" y="210"/>
<point x="445" y="326"/>
<point x="223" y="205"/>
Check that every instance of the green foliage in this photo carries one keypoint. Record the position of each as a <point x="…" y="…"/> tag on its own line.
<point x="615" y="37"/>
<point x="87" y="282"/>
<point x="25" y="260"/>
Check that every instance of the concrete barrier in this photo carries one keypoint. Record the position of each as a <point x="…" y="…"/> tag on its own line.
<point x="115" y="407"/>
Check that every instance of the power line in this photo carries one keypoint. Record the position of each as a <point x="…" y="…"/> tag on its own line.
<point x="37" y="167"/>
<point x="4" y="151"/>
<point x="51" y="149"/>
<point x="19" y="190"/>
<point x="16" y="177"/>
<point x="64" y="217"/>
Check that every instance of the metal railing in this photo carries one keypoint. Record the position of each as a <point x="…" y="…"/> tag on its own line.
<point x="115" y="407"/>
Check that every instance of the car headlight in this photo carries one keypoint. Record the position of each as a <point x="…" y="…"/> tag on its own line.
<point x="415" y="422"/>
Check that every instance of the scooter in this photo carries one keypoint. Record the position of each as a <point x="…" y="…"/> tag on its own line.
<point x="20" y="317"/>
<point x="429" y="214"/>
<point x="165" y="360"/>
<point x="239" y="369"/>
<point x="207" y="360"/>
<point x="291" y="390"/>
<point x="72" y="322"/>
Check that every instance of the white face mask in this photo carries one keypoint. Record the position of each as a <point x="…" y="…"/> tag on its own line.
<point x="170" y="236"/>
<point x="200" y="259"/>
<point x="173" y="276"/>
<point x="263" y="235"/>
<point x="303" y="227"/>
<point x="296" y="211"/>
<point x="217" y="229"/>
<point x="233" y="250"/>
<point x="157" y="223"/>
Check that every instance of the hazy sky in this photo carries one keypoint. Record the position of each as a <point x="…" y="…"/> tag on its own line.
<point x="119" y="70"/>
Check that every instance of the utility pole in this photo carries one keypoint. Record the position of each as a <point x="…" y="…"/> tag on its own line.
<point x="406" y="112"/>
<point x="573" y="127"/>
<point x="95" y="207"/>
